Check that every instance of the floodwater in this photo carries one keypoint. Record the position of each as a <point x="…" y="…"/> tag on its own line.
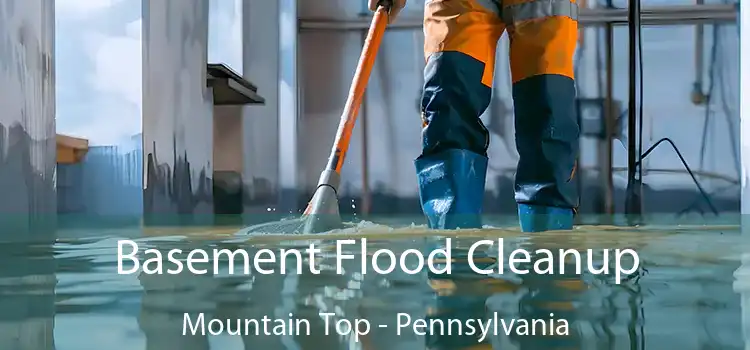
<point x="684" y="295"/>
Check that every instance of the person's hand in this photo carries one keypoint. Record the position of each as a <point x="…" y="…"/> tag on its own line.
<point x="395" y="8"/>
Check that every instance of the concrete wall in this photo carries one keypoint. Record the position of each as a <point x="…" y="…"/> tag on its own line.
<point x="742" y="275"/>
<point x="289" y="118"/>
<point x="744" y="35"/>
<point x="261" y="40"/>
<point x="27" y="118"/>
<point x="228" y="134"/>
<point x="228" y="160"/>
<point x="27" y="168"/>
<point x="177" y="111"/>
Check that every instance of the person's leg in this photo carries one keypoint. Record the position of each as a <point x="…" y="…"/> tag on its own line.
<point x="460" y="41"/>
<point x="544" y="35"/>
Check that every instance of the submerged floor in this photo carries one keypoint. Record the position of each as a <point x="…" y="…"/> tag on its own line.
<point x="682" y="297"/>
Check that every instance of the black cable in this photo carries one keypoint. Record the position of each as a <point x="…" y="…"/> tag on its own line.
<point x="694" y="204"/>
<point x="635" y="167"/>
<point x="687" y="168"/>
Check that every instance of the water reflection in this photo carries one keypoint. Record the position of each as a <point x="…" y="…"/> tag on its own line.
<point x="684" y="301"/>
<point x="528" y="311"/>
<point x="554" y="297"/>
<point x="165" y="300"/>
<point x="27" y="297"/>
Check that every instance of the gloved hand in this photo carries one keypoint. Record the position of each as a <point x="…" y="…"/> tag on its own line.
<point x="396" y="7"/>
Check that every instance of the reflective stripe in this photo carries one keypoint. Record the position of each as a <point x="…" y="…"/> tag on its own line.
<point x="539" y="9"/>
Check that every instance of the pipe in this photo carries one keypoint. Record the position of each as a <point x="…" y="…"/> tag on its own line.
<point x="652" y="15"/>
<point x="633" y="207"/>
<point x="744" y="29"/>
<point x="698" y="96"/>
<point x="610" y="115"/>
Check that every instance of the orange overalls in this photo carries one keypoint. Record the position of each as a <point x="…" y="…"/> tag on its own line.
<point x="460" y="43"/>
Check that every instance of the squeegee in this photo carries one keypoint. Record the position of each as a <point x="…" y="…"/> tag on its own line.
<point x="322" y="213"/>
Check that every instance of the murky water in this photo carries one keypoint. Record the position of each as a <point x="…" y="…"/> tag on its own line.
<point x="69" y="295"/>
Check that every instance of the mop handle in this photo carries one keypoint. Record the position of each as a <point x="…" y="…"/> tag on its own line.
<point x="357" y="89"/>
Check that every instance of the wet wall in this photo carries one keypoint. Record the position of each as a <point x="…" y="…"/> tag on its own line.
<point x="177" y="113"/>
<point x="289" y="121"/>
<point x="744" y="104"/>
<point x="328" y="59"/>
<point x="27" y="172"/>
<point x="742" y="275"/>
<point x="27" y="120"/>
<point x="228" y="185"/>
<point x="261" y="123"/>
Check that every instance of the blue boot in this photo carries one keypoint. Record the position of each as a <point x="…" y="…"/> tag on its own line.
<point x="451" y="188"/>
<point x="537" y="218"/>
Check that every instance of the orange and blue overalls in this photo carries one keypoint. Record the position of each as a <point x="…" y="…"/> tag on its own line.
<point x="461" y="38"/>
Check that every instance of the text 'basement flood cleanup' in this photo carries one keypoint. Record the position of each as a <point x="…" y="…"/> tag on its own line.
<point x="383" y="261"/>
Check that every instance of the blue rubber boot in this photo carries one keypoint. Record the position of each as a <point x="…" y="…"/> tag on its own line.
<point x="537" y="218"/>
<point x="451" y="188"/>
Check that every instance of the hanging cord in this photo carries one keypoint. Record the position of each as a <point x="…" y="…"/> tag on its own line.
<point x="687" y="168"/>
